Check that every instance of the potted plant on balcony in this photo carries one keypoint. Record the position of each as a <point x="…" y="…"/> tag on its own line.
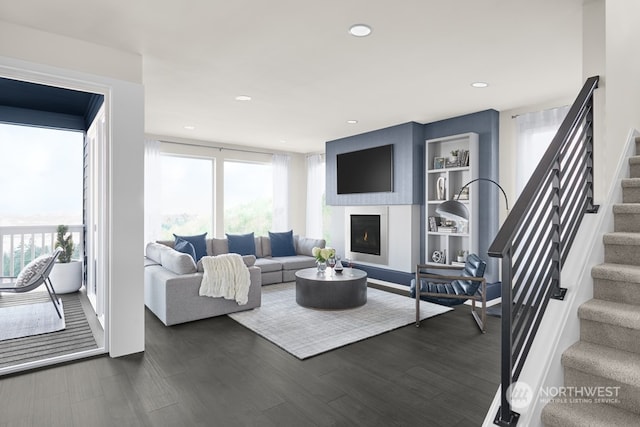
<point x="66" y="274"/>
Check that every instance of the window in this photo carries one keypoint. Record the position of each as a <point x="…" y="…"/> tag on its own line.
<point x="187" y="196"/>
<point x="318" y="213"/>
<point x="535" y="132"/>
<point x="42" y="187"/>
<point x="248" y="197"/>
<point x="41" y="175"/>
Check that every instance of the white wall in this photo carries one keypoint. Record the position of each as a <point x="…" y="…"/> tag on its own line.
<point x="68" y="54"/>
<point x="51" y="59"/>
<point x="622" y="82"/>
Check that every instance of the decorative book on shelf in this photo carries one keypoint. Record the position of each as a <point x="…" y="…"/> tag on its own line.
<point x="444" y="229"/>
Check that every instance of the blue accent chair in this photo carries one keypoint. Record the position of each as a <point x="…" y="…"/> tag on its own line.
<point x="452" y="290"/>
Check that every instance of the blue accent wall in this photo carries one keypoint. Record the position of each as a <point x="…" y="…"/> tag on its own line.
<point x="408" y="167"/>
<point x="486" y="125"/>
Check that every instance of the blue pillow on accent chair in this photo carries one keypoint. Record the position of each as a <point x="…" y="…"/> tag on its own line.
<point x="243" y="244"/>
<point x="198" y="242"/>
<point x="282" y="244"/>
<point x="185" y="247"/>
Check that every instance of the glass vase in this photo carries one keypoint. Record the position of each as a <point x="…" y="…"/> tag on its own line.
<point x="322" y="266"/>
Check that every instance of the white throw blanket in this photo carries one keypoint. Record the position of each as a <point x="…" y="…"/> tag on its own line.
<point x="225" y="276"/>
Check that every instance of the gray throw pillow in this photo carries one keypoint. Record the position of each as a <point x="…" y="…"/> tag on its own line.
<point x="31" y="270"/>
<point x="305" y="245"/>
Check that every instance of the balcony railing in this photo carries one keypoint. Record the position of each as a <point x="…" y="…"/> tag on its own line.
<point x="20" y="244"/>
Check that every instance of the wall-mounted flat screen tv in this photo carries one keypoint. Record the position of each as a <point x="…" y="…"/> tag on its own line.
<point x="365" y="171"/>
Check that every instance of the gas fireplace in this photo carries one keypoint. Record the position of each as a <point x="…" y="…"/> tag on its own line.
<point x="365" y="234"/>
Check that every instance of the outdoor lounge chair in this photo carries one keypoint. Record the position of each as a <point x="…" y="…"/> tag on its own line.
<point x="33" y="275"/>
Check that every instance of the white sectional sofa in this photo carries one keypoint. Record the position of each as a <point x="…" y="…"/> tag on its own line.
<point x="172" y="279"/>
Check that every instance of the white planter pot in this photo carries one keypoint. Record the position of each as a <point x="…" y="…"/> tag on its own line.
<point x="66" y="277"/>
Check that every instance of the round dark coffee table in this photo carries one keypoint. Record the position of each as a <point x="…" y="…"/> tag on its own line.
<point x="331" y="291"/>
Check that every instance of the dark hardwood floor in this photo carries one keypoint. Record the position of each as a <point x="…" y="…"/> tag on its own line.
<point x="217" y="373"/>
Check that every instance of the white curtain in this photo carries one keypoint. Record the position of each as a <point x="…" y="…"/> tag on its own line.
<point x="280" y="163"/>
<point x="315" y="195"/>
<point x="152" y="191"/>
<point x="534" y="134"/>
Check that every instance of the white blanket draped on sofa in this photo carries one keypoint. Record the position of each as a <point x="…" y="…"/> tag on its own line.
<point x="225" y="276"/>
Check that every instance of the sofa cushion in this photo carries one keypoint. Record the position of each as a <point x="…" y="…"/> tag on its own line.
<point x="199" y="243"/>
<point x="282" y="244"/>
<point x="243" y="244"/>
<point x="219" y="246"/>
<point x="268" y="265"/>
<point x="154" y="251"/>
<point x="305" y="245"/>
<point x="185" y="247"/>
<point x="178" y="262"/>
<point x="264" y="243"/>
<point x="297" y="262"/>
<point x="249" y="261"/>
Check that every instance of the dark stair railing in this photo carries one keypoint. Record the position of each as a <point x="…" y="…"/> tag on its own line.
<point x="536" y="237"/>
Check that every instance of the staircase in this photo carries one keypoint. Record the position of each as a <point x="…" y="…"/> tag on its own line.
<point x="608" y="353"/>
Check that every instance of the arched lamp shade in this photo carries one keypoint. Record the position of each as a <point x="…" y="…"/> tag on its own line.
<point x="453" y="209"/>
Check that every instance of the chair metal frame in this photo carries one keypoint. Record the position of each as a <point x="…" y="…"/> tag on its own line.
<point x="42" y="277"/>
<point x="480" y="296"/>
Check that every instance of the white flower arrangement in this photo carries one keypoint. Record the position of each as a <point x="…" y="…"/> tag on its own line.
<point x="323" y="254"/>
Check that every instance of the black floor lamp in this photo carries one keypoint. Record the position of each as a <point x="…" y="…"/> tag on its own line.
<point x="455" y="210"/>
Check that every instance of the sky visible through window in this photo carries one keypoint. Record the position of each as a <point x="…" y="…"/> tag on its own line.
<point x="40" y="176"/>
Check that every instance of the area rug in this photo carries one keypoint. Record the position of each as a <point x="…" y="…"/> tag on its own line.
<point x="29" y="319"/>
<point x="306" y="332"/>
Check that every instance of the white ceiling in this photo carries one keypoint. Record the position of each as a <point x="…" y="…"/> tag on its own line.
<point x="307" y="76"/>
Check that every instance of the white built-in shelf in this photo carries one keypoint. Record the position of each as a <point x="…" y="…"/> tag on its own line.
<point x="455" y="177"/>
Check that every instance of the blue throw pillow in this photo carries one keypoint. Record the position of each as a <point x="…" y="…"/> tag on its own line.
<point x="282" y="244"/>
<point x="198" y="242"/>
<point x="243" y="244"/>
<point x="185" y="247"/>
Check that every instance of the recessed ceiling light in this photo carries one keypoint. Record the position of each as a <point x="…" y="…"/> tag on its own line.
<point x="243" y="98"/>
<point x="352" y="122"/>
<point x="480" y="84"/>
<point x="360" y="30"/>
<point x="189" y="127"/>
